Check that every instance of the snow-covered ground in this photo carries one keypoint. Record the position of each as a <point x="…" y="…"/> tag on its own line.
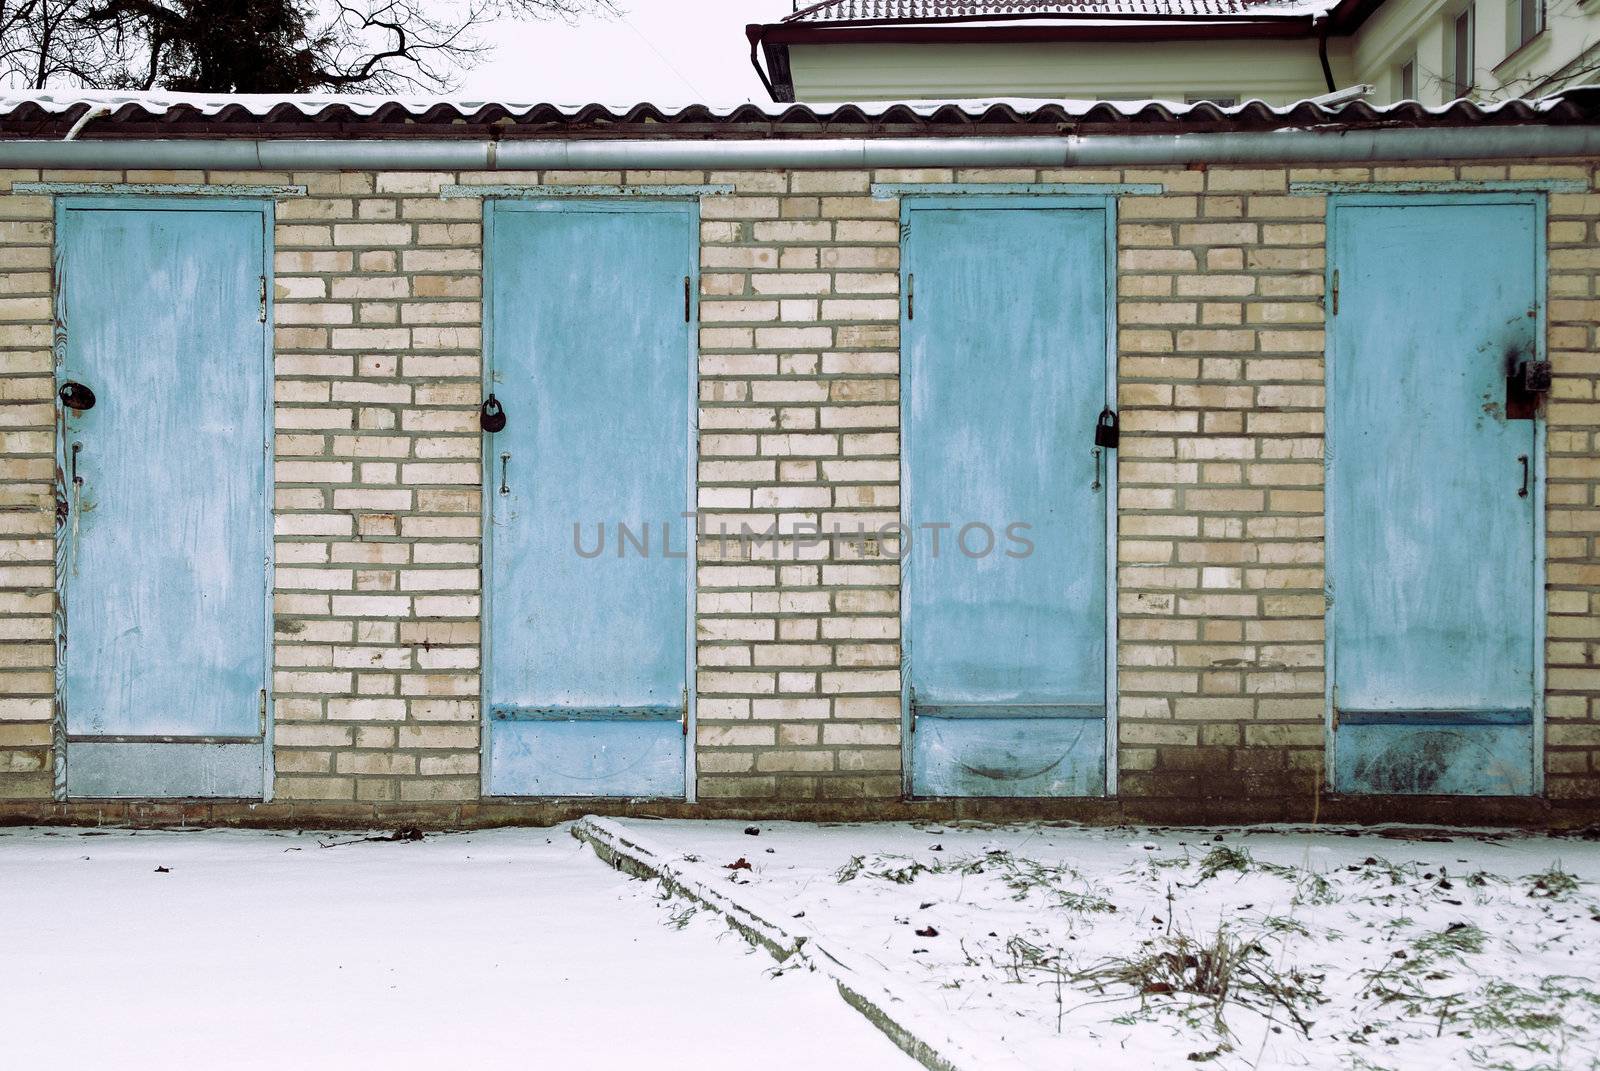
<point x="508" y="948"/>
<point x="1163" y="948"/>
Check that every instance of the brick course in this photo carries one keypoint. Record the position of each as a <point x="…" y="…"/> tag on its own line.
<point x="377" y="342"/>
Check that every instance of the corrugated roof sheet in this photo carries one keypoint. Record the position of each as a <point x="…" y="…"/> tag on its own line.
<point x="921" y="11"/>
<point x="52" y="114"/>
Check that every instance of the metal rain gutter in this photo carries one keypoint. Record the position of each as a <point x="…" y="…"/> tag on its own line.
<point x="1305" y="145"/>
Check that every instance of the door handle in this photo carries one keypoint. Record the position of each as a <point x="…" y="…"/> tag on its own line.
<point x="1523" y="491"/>
<point x="1096" y="485"/>
<point x="77" y="506"/>
<point x="505" y="466"/>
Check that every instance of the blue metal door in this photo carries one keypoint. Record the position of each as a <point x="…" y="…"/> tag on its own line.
<point x="1007" y="497"/>
<point x="163" y="565"/>
<point x="587" y="486"/>
<point x="1433" y="494"/>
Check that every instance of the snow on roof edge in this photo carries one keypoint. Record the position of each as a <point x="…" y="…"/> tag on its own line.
<point x="309" y="105"/>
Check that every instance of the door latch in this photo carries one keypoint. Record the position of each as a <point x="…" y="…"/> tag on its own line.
<point x="1527" y="381"/>
<point x="1535" y="377"/>
<point x="1106" y="433"/>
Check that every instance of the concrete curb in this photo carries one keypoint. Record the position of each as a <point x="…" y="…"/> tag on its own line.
<point x="922" y="1030"/>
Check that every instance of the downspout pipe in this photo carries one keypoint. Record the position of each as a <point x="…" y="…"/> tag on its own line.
<point x="753" y="33"/>
<point x="1309" y="145"/>
<point x="1323" y="26"/>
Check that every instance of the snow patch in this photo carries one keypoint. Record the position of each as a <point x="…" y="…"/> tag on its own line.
<point x="493" y="949"/>
<point x="1126" y="948"/>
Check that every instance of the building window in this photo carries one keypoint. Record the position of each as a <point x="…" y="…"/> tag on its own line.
<point x="1524" y="22"/>
<point x="1406" y="80"/>
<point x="1462" y="59"/>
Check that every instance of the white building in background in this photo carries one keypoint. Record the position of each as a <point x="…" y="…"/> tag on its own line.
<point x="1226" y="51"/>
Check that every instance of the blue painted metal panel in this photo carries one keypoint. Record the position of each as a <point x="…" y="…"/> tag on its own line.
<point x="1005" y="344"/>
<point x="165" y="559"/>
<point x="1409" y="759"/>
<point x="586" y="758"/>
<point x="590" y="354"/>
<point x="1009" y="756"/>
<point x="1432" y="492"/>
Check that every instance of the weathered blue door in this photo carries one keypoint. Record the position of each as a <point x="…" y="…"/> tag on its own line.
<point x="1433" y="493"/>
<point x="1007" y="497"/>
<point x="587" y="486"/>
<point x="164" y="547"/>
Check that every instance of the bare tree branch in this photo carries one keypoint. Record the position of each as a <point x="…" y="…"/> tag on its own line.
<point x="258" y="45"/>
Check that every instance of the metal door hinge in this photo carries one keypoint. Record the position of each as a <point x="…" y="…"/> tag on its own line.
<point x="683" y="707"/>
<point x="911" y="296"/>
<point x="1335" y="294"/>
<point x="261" y="711"/>
<point x="686" y="299"/>
<point x="262" y="314"/>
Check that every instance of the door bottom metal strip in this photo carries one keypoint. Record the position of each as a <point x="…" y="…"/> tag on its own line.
<point x="1003" y="710"/>
<point x="654" y="713"/>
<point x="164" y="770"/>
<point x="1435" y="717"/>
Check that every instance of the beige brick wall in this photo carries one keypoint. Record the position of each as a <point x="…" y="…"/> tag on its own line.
<point x="1220" y="600"/>
<point x="1220" y="557"/>
<point x="27" y="497"/>
<point x="377" y="584"/>
<point x="1572" y="513"/>
<point x="798" y="640"/>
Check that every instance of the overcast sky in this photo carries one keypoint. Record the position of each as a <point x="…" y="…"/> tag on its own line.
<point x="663" y="51"/>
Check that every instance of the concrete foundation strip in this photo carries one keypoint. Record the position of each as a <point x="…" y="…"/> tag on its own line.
<point x="922" y="1030"/>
